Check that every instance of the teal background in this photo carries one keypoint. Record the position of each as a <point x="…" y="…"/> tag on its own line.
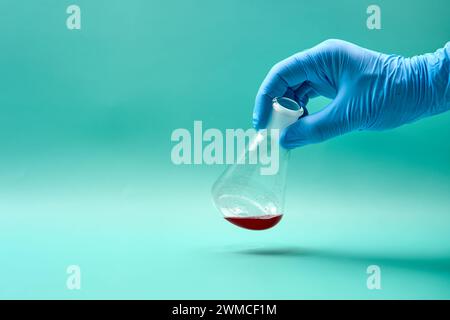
<point x="86" y="176"/>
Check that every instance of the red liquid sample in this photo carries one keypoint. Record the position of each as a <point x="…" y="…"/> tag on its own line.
<point x="256" y="223"/>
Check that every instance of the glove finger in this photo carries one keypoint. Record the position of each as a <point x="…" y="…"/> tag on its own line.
<point x="289" y="73"/>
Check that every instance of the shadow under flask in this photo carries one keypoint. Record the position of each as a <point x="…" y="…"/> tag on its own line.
<point x="247" y="194"/>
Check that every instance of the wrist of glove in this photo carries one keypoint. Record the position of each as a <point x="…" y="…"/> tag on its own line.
<point x="438" y="65"/>
<point x="402" y="90"/>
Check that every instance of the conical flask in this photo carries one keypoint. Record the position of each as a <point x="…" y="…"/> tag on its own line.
<point x="251" y="195"/>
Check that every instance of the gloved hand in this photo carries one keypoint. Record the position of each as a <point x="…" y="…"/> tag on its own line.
<point x="370" y="90"/>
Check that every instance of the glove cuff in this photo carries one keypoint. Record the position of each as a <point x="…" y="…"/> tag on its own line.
<point x="438" y="65"/>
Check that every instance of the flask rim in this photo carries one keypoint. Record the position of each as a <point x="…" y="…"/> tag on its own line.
<point x="286" y="106"/>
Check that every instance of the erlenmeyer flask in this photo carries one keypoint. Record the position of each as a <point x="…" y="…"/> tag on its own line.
<point x="247" y="197"/>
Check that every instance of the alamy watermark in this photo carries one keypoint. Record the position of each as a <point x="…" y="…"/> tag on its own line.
<point x="73" y="21"/>
<point x="374" y="279"/>
<point x="373" y="21"/>
<point x="73" y="281"/>
<point x="236" y="146"/>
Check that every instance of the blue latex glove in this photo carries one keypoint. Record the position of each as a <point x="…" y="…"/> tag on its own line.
<point x="370" y="90"/>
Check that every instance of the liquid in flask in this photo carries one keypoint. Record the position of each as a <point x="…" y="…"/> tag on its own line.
<point x="246" y="197"/>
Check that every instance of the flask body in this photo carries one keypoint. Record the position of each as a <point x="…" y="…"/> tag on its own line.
<point x="249" y="199"/>
<point x="248" y="194"/>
